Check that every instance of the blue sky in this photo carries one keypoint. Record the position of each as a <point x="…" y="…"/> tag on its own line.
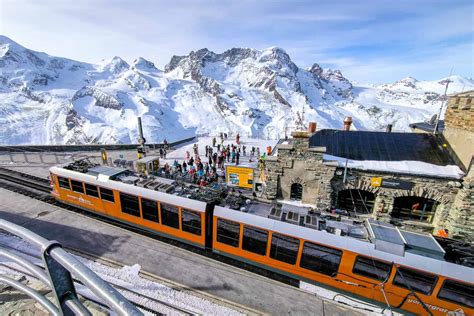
<point x="370" y="41"/>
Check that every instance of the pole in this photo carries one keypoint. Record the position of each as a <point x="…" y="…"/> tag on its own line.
<point x="435" y="131"/>
<point x="345" y="173"/>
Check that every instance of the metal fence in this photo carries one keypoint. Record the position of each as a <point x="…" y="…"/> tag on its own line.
<point x="59" y="265"/>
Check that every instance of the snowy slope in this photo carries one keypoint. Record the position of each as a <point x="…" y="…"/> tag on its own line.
<point x="51" y="100"/>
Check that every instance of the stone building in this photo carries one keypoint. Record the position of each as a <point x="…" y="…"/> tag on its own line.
<point x="458" y="136"/>
<point x="459" y="127"/>
<point x="422" y="181"/>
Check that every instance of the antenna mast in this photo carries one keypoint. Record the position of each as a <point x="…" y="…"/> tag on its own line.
<point x="447" y="82"/>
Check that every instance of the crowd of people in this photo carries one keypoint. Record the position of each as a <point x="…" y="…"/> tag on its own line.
<point x="204" y="170"/>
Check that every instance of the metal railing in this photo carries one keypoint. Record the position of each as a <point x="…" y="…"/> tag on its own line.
<point x="59" y="265"/>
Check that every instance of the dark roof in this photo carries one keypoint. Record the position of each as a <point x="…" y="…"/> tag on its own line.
<point x="427" y="127"/>
<point x="381" y="146"/>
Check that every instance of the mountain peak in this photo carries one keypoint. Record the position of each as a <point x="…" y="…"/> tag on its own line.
<point x="115" y="65"/>
<point x="142" y="64"/>
<point x="6" y="40"/>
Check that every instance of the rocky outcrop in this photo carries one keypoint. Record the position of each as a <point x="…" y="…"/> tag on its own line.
<point x="102" y="99"/>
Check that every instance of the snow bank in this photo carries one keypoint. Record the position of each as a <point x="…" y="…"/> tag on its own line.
<point x="405" y="166"/>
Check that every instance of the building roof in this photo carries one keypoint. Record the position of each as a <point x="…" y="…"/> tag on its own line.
<point x="462" y="94"/>
<point x="427" y="127"/>
<point x="381" y="146"/>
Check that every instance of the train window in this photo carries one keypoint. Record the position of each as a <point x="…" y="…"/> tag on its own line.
<point x="129" y="204"/>
<point x="371" y="268"/>
<point x="91" y="190"/>
<point x="284" y="248"/>
<point x="150" y="210"/>
<point x="228" y="232"/>
<point x="64" y="183"/>
<point x="320" y="259"/>
<point x="169" y="215"/>
<point x="457" y="292"/>
<point x="418" y="281"/>
<point x="255" y="240"/>
<point x="77" y="186"/>
<point x="191" y="222"/>
<point x="106" y="194"/>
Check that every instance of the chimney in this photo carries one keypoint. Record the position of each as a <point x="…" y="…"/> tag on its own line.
<point x="141" y="139"/>
<point x="347" y="123"/>
<point x="389" y="128"/>
<point x="312" y="127"/>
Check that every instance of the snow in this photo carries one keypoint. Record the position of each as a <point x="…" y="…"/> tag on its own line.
<point x="180" y="152"/>
<point x="404" y="167"/>
<point x="338" y="297"/>
<point x="128" y="277"/>
<point x="258" y="93"/>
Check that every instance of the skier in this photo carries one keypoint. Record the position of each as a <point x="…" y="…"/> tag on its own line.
<point x="237" y="139"/>
<point x="237" y="156"/>
<point x="214" y="142"/>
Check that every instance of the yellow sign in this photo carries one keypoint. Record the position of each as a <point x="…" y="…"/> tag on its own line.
<point x="376" y="182"/>
<point x="104" y="156"/>
<point x="239" y="176"/>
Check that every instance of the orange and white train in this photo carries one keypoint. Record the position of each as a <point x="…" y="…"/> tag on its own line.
<point x="408" y="282"/>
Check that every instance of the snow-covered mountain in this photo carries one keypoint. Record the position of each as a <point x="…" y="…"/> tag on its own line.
<point x="52" y="100"/>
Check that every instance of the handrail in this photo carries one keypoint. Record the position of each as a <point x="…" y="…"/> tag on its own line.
<point x="59" y="265"/>
<point x="85" y="147"/>
<point x="33" y="294"/>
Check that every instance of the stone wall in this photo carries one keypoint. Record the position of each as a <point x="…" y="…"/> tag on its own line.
<point x="461" y="216"/>
<point x="441" y="190"/>
<point x="460" y="111"/>
<point x="296" y="163"/>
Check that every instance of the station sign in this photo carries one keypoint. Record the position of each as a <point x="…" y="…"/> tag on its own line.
<point x="390" y="183"/>
<point x="397" y="184"/>
<point x="239" y="176"/>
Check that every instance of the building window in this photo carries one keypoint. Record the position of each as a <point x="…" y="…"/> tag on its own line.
<point x="414" y="208"/>
<point x="371" y="268"/>
<point x="457" y="100"/>
<point x="169" y="215"/>
<point x="255" y="240"/>
<point x="460" y="293"/>
<point x="107" y="195"/>
<point x="320" y="259"/>
<point x="64" y="183"/>
<point x="296" y="192"/>
<point x="91" y="190"/>
<point x="416" y="280"/>
<point x="150" y="210"/>
<point x="228" y="232"/>
<point x="77" y="186"/>
<point x="355" y="200"/>
<point x="191" y="222"/>
<point x="284" y="248"/>
<point x="129" y="204"/>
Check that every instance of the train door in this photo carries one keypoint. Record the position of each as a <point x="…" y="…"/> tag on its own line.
<point x="209" y="217"/>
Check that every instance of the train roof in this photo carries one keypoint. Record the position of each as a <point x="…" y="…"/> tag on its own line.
<point x="115" y="183"/>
